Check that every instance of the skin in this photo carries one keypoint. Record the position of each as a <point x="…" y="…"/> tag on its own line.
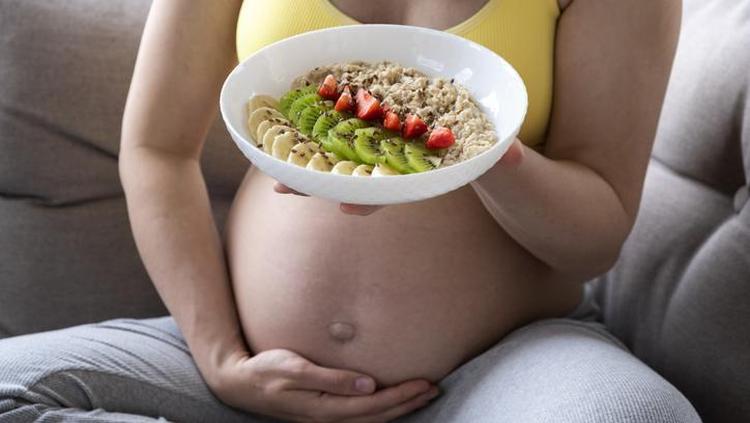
<point x="536" y="224"/>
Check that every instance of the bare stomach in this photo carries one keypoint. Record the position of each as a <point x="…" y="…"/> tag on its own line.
<point x="412" y="291"/>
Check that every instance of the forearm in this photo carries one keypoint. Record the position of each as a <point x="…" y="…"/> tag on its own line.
<point x="177" y="239"/>
<point x="562" y="212"/>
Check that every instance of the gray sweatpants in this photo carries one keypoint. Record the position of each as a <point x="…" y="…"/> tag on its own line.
<point x="556" y="370"/>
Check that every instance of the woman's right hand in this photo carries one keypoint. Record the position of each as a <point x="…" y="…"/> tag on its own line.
<point x="282" y="384"/>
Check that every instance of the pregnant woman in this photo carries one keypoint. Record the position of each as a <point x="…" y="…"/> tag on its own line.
<point x="315" y="311"/>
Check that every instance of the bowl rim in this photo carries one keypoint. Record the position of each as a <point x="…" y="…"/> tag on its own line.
<point x="356" y="27"/>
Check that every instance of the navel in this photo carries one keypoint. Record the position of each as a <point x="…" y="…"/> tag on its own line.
<point x="341" y="331"/>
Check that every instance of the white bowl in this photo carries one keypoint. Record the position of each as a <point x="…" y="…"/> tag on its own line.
<point x="492" y="82"/>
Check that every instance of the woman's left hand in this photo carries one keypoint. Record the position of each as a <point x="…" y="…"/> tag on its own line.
<point x="511" y="159"/>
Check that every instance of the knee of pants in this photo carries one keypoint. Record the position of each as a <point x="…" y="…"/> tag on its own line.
<point x="563" y="372"/>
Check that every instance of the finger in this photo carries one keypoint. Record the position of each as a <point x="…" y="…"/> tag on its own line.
<point x="359" y="210"/>
<point x="333" y="381"/>
<point x="283" y="189"/>
<point x="340" y="407"/>
<point x="402" y="409"/>
<point x="514" y="156"/>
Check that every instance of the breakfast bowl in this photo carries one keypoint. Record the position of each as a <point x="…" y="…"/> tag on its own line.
<point x="495" y="87"/>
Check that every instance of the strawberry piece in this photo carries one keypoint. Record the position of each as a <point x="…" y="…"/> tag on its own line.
<point x="392" y="121"/>
<point x="414" y="127"/>
<point x="329" y="88"/>
<point x="368" y="107"/>
<point x="440" y="137"/>
<point x="345" y="102"/>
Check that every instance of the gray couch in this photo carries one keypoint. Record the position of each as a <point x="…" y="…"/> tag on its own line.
<point x="679" y="297"/>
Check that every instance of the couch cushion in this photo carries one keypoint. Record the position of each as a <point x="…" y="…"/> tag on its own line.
<point x="66" y="251"/>
<point x="680" y="294"/>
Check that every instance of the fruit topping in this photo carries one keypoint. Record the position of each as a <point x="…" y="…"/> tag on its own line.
<point x="368" y="107"/>
<point x="329" y="88"/>
<point x="414" y="127"/>
<point x="440" y="137"/>
<point x="345" y="103"/>
<point x="392" y="121"/>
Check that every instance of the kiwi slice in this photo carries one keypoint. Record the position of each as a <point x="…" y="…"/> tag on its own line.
<point x="340" y="138"/>
<point x="310" y="115"/>
<point x="419" y="158"/>
<point x="301" y="104"/>
<point x="287" y="99"/>
<point x="343" y="145"/>
<point x="325" y="122"/>
<point x="393" y="155"/>
<point x="367" y="144"/>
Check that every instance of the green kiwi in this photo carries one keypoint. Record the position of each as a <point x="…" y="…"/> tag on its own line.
<point x="301" y="104"/>
<point x="339" y="139"/>
<point x="287" y="99"/>
<point x="393" y="155"/>
<point x="325" y="122"/>
<point x="342" y="145"/>
<point x="367" y="144"/>
<point x="310" y="115"/>
<point x="419" y="158"/>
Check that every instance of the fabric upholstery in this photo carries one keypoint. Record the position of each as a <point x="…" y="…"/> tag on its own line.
<point x="66" y="250"/>
<point x="679" y="296"/>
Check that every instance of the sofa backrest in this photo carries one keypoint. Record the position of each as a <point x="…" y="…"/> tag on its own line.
<point x="66" y="250"/>
<point x="680" y="294"/>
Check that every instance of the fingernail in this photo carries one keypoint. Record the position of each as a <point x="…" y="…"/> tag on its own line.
<point x="364" y="384"/>
<point x="432" y="393"/>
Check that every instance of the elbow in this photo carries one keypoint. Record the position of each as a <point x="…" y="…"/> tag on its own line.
<point x="597" y="257"/>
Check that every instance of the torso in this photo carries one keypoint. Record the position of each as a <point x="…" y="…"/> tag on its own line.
<point x="411" y="291"/>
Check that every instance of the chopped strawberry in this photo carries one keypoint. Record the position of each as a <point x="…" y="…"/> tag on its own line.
<point x="345" y="102"/>
<point x="329" y="88"/>
<point x="414" y="126"/>
<point x="368" y="107"/>
<point x="392" y="121"/>
<point x="440" y="137"/>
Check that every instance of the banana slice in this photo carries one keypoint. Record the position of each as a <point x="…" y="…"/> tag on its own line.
<point x="259" y="101"/>
<point x="302" y="153"/>
<point x="322" y="162"/>
<point x="344" y="167"/>
<point x="258" y="116"/>
<point x="283" y="144"/>
<point x="272" y="133"/>
<point x="265" y="126"/>
<point x="383" y="170"/>
<point x="362" y="170"/>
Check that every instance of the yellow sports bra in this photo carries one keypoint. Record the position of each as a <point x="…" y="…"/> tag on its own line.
<point x="521" y="31"/>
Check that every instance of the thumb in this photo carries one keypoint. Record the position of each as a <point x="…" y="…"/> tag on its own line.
<point x="335" y="381"/>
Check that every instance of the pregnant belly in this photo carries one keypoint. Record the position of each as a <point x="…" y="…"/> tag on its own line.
<point x="411" y="291"/>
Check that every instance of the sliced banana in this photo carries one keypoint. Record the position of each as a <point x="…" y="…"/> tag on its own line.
<point x="322" y="162"/>
<point x="265" y="126"/>
<point x="259" y="115"/>
<point x="362" y="170"/>
<point x="383" y="170"/>
<point x="344" y="167"/>
<point x="283" y="144"/>
<point x="302" y="153"/>
<point x="272" y="133"/>
<point x="259" y="101"/>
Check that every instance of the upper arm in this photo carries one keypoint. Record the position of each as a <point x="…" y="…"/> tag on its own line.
<point x="186" y="51"/>
<point x="612" y="64"/>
